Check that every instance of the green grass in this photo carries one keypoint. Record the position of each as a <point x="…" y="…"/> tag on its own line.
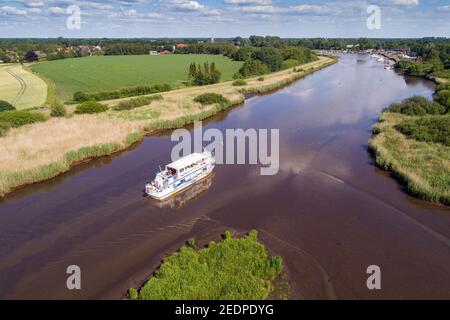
<point x="234" y="269"/>
<point x="94" y="74"/>
<point x="424" y="167"/>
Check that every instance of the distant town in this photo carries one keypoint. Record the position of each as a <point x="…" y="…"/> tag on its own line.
<point x="32" y="50"/>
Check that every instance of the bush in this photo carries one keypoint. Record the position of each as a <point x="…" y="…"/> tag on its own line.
<point x="253" y="68"/>
<point x="429" y="129"/>
<point x="133" y="294"/>
<point x="289" y="63"/>
<point x="417" y="106"/>
<point x="6" y="106"/>
<point x="4" y="127"/>
<point x="122" y="93"/>
<point x="191" y="243"/>
<point x="239" y="82"/>
<point x="443" y="97"/>
<point x="211" y="98"/>
<point x="80" y="96"/>
<point x="227" y="235"/>
<point x="137" y="102"/>
<point x="16" y="119"/>
<point x="90" y="107"/>
<point x="58" y="110"/>
<point x="261" y="79"/>
<point x="233" y="269"/>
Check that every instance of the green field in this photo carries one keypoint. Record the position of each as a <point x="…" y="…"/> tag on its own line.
<point x="94" y="74"/>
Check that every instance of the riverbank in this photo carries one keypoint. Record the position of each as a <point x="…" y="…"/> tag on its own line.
<point x="424" y="167"/>
<point x="44" y="150"/>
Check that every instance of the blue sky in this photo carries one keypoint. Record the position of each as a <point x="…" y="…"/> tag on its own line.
<point x="224" y="18"/>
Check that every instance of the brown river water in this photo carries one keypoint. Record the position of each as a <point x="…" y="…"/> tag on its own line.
<point x="329" y="212"/>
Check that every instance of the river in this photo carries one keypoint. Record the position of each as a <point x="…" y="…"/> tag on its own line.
<point x="329" y="212"/>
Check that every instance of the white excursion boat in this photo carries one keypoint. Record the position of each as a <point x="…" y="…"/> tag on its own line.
<point x="180" y="175"/>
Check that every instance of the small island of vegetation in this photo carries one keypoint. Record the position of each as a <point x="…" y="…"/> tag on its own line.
<point x="232" y="269"/>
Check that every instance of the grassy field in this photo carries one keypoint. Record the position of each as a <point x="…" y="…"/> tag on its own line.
<point x="20" y="87"/>
<point x="94" y="74"/>
<point x="424" y="167"/>
<point x="232" y="269"/>
<point x="43" y="150"/>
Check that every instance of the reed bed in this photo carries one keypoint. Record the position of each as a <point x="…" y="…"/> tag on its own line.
<point x="423" y="167"/>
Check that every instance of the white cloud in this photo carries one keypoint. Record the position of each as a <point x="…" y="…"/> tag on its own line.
<point x="240" y="2"/>
<point x="406" y="2"/>
<point x="12" y="11"/>
<point x="191" y="6"/>
<point x="34" y="3"/>
<point x="57" y="10"/>
<point x="299" y="9"/>
<point x="130" y="13"/>
<point x="307" y="8"/>
<point x="444" y="8"/>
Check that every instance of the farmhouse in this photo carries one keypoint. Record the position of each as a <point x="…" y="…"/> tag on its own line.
<point x="40" y="54"/>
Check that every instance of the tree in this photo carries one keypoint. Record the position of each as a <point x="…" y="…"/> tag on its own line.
<point x="214" y="73"/>
<point x="6" y="106"/>
<point x="253" y="68"/>
<point x="208" y="74"/>
<point x="30" y="56"/>
<point x="271" y="57"/>
<point x="244" y="53"/>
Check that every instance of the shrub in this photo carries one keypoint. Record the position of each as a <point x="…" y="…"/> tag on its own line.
<point x="58" y="110"/>
<point x="90" y="107"/>
<point x="211" y="98"/>
<point x="253" y="68"/>
<point x="133" y="294"/>
<point x="80" y="96"/>
<point x="4" y="127"/>
<point x="429" y="129"/>
<point x="191" y="243"/>
<point x="417" y="106"/>
<point x="137" y="102"/>
<point x="227" y="235"/>
<point x="261" y="79"/>
<point x="290" y="63"/>
<point x="233" y="269"/>
<point x="122" y="93"/>
<point x="239" y="82"/>
<point x="443" y="97"/>
<point x="6" y="106"/>
<point x="16" y="119"/>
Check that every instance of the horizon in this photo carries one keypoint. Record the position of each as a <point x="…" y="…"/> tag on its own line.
<point x="299" y="19"/>
<point x="218" y="38"/>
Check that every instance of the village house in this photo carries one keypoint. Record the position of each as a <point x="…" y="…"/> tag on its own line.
<point x="40" y="54"/>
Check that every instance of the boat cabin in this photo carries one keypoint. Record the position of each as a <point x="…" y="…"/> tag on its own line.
<point x="184" y="165"/>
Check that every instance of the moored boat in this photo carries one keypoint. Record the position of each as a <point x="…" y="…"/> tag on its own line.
<point x="180" y="175"/>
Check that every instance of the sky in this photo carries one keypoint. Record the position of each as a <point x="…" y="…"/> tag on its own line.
<point x="223" y="18"/>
